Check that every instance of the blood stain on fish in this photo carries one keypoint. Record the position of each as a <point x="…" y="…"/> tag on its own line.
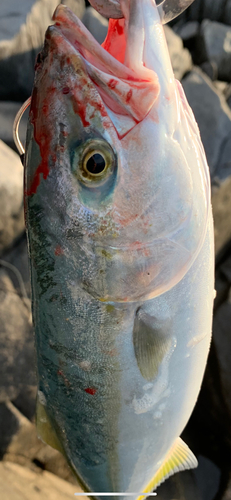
<point x="129" y="96"/>
<point x="112" y="83"/>
<point x="65" y="90"/>
<point x="91" y="390"/>
<point x="43" y="140"/>
<point x="59" y="251"/>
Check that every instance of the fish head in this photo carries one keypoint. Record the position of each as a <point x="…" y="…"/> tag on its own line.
<point x="115" y="172"/>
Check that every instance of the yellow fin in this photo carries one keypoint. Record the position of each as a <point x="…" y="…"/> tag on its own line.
<point x="179" y="458"/>
<point x="45" y="430"/>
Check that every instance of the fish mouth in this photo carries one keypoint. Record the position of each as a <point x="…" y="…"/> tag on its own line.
<point x="126" y="86"/>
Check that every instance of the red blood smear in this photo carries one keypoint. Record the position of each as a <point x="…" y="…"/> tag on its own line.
<point x="112" y="83"/>
<point x="59" y="250"/>
<point x="65" y="90"/>
<point x="42" y="138"/>
<point x="91" y="390"/>
<point x="80" y="109"/>
<point x="129" y="96"/>
<point x="115" y="41"/>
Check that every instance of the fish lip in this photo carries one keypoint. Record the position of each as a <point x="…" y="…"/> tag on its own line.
<point x="67" y="23"/>
<point x="61" y="10"/>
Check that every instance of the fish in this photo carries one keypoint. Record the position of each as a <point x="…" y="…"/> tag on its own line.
<point x="120" y="235"/>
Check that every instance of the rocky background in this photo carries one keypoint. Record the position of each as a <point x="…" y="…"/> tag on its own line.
<point x="200" y="48"/>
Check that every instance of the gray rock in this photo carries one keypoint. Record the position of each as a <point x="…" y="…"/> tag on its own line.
<point x="181" y="486"/>
<point x="96" y="24"/>
<point x="188" y="30"/>
<point x="219" y="10"/>
<point x="8" y="111"/>
<point x="201" y="483"/>
<point x="210" y="68"/>
<point x="11" y="197"/>
<point x="18" y="257"/>
<point x="17" y="362"/>
<point x="19" y="444"/>
<point x="13" y="15"/>
<point x="222" y="87"/>
<point x="227" y="493"/>
<point x="217" y="42"/>
<point x="207" y="476"/>
<point x="221" y="203"/>
<point x="53" y="461"/>
<point x="180" y="58"/>
<point x="228" y="95"/>
<point x="214" y="119"/>
<point x="211" y="112"/>
<point x="17" y="55"/>
<point x="21" y="483"/>
<point x="225" y="270"/>
<point x="222" y="341"/>
<point x="222" y="286"/>
<point x="25" y="401"/>
<point x="18" y="436"/>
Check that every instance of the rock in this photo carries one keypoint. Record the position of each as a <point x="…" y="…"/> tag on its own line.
<point x="11" y="197"/>
<point x="209" y="427"/>
<point x="222" y="286"/>
<point x="222" y="341"/>
<point x="19" y="444"/>
<point x="187" y="31"/>
<point x="181" y="486"/>
<point x="207" y="476"/>
<point x="201" y="483"/>
<point x="214" y="120"/>
<point x="225" y="270"/>
<point x="13" y="15"/>
<point x="18" y="257"/>
<point x="17" y="362"/>
<point x="25" y="401"/>
<point x="8" y="111"/>
<point x="211" y="112"/>
<point x="210" y="68"/>
<point x="180" y="58"/>
<point x="227" y="493"/>
<point x="18" y="435"/>
<point x="208" y="9"/>
<point x="53" y="461"/>
<point x="221" y="203"/>
<point x="21" y="483"/>
<point x="228" y="95"/>
<point x="222" y="87"/>
<point x="96" y="24"/>
<point x="17" y="55"/>
<point x="217" y="42"/>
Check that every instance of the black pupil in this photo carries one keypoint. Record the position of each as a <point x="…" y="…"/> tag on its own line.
<point x="96" y="164"/>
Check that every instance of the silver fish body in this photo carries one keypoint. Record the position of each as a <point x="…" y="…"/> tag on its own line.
<point x="121" y="257"/>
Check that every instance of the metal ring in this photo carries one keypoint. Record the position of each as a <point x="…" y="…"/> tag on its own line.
<point x="17" y="120"/>
<point x="168" y="9"/>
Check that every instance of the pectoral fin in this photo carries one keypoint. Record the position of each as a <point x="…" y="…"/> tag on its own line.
<point x="151" y="343"/>
<point x="179" y="458"/>
<point x="45" y="430"/>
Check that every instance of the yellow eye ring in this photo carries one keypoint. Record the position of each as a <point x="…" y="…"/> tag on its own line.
<point x="96" y="162"/>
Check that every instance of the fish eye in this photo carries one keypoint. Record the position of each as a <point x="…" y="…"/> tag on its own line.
<point x="96" y="162"/>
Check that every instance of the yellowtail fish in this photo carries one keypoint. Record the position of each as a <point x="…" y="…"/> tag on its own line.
<point x="119" y="225"/>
